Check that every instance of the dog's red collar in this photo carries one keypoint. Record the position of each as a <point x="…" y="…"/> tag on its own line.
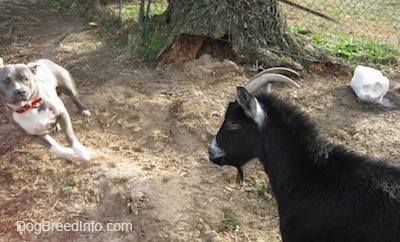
<point x="34" y="104"/>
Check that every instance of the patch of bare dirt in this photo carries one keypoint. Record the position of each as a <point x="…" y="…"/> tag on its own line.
<point x="149" y="130"/>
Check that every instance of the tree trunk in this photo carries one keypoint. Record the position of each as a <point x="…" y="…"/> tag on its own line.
<point x="254" y="30"/>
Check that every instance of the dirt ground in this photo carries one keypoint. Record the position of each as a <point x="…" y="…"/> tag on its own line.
<point x="149" y="132"/>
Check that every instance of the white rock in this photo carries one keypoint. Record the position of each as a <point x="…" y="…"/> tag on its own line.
<point x="369" y="84"/>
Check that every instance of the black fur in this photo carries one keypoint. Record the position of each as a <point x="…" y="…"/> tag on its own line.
<point x="324" y="192"/>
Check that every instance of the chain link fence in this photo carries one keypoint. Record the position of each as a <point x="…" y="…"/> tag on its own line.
<point x="376" y="20"/>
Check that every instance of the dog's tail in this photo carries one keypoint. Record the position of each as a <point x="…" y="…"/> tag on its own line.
<point x="55" y="44"/>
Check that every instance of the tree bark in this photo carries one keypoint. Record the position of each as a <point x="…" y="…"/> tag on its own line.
<point x="255" y="29"/>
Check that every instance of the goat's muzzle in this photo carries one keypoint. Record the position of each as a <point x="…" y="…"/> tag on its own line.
<point x="216" y="154"/>
<point x="217" y="160"/>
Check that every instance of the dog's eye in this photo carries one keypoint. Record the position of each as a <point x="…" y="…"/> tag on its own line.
<point x="234" y="127"/>
<point x="6" y="81"/>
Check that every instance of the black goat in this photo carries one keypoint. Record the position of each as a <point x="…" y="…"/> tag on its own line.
<point x="324" y="191"/>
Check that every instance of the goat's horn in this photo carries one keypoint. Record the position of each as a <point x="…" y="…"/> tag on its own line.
<point x="257" y="83"/>
<point x="277" y="70"/>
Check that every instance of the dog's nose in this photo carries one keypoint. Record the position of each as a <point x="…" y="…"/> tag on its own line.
<point x="20" y="92"/>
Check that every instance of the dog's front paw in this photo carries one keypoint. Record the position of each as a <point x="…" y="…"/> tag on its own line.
<point x="64" y="152"/>
<point x="81" y="151"/>
<point x="85" y="113"/>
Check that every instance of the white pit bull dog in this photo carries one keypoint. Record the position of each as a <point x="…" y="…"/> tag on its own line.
<point x="30" y="94"/>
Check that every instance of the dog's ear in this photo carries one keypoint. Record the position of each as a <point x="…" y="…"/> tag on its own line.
<point x="1" y="62"/>
<point x="33" y="67"/>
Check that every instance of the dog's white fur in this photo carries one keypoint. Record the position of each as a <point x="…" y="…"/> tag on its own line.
<point x="33" y="121"/>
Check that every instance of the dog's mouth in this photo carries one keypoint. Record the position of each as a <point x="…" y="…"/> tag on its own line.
<point x="19" y="102"/>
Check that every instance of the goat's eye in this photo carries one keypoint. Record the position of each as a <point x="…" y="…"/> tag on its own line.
<point x="234" y="127"/>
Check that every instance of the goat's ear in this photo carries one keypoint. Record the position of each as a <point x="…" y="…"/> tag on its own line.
<point x="248" y="102"/>
<point x="1" y="62"/>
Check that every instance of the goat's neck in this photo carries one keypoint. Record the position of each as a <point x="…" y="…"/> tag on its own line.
<point x="292" y="146"/>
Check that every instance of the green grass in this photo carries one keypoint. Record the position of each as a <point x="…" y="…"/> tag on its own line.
<point x="367" y="33"/>
<point x="363" y="11"/>
<point x="354" y="49"/>
<point x="358" y="50"/>
<point x="60" y="4"/>
<point x="67" y="186"/>
<point x="130" y="11"/>
<point x="36" y="171"/>
<point x="148" y="46"/>
<point x="230" y="221"/>
<point x="145" y="45"/>
<point x="260" y="189"/>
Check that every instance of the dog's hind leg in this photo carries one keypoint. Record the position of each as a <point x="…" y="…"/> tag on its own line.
<point x="67" y="86"/>
<point x="82" y="108"/>
<point x="73" y="94"/>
